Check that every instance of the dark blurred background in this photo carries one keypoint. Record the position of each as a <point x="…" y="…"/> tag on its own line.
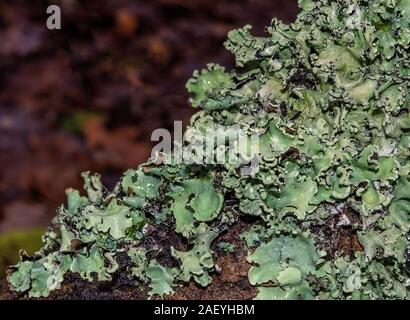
<point x="88" y="96"/>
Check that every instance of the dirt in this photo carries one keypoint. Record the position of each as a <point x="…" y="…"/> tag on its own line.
<point x="159" y="242"/>
<point x="230" y="284"/>
<point x="301" y="77"/>
<point x="337" y="237"/>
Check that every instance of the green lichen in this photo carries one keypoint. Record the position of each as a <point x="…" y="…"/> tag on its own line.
<point x="161" y="279"/>
<point x="194" y="200"/>
<point x="328" y="98"/>
<point x="286" y="262"/>
<point x="198" y="262"/>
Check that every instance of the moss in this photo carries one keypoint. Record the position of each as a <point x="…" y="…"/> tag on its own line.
<point x="12" y="241"/>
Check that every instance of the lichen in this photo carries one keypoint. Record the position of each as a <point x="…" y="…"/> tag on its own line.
<point x="328" y="97"/>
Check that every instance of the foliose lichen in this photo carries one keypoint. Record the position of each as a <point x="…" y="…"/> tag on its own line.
<point x="328" y="96"/>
